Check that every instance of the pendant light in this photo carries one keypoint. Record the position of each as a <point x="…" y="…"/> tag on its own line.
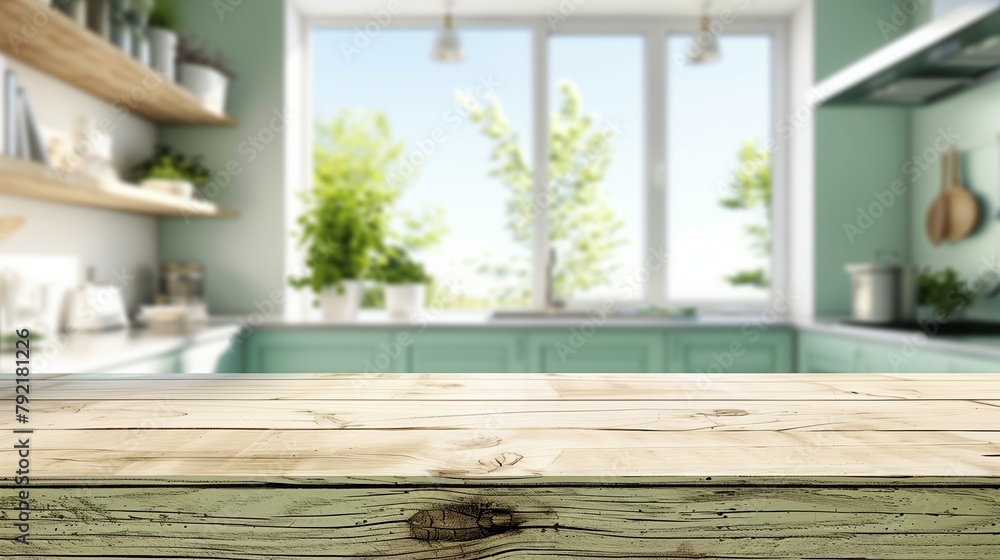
<point x="447" y="46"/>
<point x="704" y="48"/>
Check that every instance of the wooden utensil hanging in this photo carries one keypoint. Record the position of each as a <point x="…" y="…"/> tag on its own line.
<point x="936" y="222"/>
<point x="963" y="207"/>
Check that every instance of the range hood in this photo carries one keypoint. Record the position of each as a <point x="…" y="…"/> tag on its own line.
<point x="951" y="54"/>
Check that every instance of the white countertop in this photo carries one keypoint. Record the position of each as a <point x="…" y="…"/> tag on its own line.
<point x="97" y="351"/>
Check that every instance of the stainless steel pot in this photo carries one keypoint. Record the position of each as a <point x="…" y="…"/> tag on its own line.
<point x="883" y="290"/>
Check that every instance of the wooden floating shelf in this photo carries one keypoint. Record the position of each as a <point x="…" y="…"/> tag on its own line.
<point x="33" y="180"/>
<point x="64" y="49"/>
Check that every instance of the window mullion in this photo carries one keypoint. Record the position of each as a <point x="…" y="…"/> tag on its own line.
<point x="540" y="222"/>
<point x="655" y="242"/>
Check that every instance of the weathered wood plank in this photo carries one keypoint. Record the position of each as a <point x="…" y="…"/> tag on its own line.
<point x="491" y="452"/>
<point x="649" y="415"/>
<point x="557" y="522"/>
<point x="499" y="388"/>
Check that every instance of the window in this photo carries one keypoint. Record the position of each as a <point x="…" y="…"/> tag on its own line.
<point x="596" y="161"/>
<point x="645" y="156"/>
<point x="718" y="201"/>
<point x="434" y="110"/>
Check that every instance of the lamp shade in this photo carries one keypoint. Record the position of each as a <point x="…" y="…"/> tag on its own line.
<point x="704" y="47"/>
<point x="447" y="46"/>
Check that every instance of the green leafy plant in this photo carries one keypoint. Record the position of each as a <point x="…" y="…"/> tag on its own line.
<point x="945" y="291"/>
<point x="168" y="164"/>
<point x="164" y="15"/>
<point x="347" y="211"/>
<point x="750" y="190"/>
<point x="397" y="267"/>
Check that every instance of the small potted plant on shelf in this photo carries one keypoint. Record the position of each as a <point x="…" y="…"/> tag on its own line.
<point x="943" y="295"/>
<point x="171" y="172"/>
<point x="205" y="73"/>
<point x="162" y="36"/>
<point x="405" y="282"/>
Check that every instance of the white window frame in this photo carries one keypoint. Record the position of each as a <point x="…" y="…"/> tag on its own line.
<point x="656" y="31"/>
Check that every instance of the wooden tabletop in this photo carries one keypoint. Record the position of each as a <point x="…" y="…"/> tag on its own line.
<point x="679" y="428"/>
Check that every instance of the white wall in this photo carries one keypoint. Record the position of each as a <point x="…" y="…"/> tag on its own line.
<point x="802" y="163"/>
<point x="107" y="241"/>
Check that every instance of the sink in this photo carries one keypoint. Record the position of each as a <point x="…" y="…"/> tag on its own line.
<point x="633" y="314"/>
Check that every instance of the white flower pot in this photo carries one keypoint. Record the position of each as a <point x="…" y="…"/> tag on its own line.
<point x="163" y="52"/>
<point x="207" y="84"/>
<point x="183" y="189"/>
<point x="342" y="305"/>
<point x="404" y="300"/>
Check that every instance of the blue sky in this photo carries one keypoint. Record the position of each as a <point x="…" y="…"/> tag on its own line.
<point x="395" y="74"/>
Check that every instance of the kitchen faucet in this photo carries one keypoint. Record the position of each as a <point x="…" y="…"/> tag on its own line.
<point x="552" y="305"/>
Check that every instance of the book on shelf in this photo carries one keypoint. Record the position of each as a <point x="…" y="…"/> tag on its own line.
<point x="35" y="143"/>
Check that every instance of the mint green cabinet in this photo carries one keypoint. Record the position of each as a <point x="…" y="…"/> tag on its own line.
<point x="480" y="351"/>
<point x="572" y="351"/>
<point x="732" y="351"/>
<point x="326" y="351"/>
<point x="824" y="353"/>
<point x="820" y="353"/>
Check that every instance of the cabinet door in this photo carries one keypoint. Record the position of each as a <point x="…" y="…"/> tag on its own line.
<point x="956" y="363"/>
<point x="732" y="351"/>
<point x="570" y="351"/>
<point x="214" y="356"/>
<point x="467" y="352"/>
<point x="327" y="351"/>
<point x="820" y="353"/>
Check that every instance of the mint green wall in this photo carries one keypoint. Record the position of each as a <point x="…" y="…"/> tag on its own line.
<point x="859" y="151"/>
<point x="974" y="116"/>
<point x="244" y="256"/>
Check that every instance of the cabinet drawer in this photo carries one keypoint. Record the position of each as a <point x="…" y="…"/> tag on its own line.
<point x="570" y="351"/>
<point x="732" y="351"/>
<point x="467" y="352"/>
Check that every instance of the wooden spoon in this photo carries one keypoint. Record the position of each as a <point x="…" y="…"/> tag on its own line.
<point x="936" y="222"/>
<point x="963" y="208"/>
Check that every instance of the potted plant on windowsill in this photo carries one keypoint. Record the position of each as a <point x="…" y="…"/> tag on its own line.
<point x="204" y="73"/>
<point x="345" y="221"/>
<point x="340" y="237"/>
<point x="162" y="36"/>
<point x="405" y="283"/>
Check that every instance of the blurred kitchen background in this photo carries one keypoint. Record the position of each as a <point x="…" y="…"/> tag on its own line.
<point x="283" y="186"/>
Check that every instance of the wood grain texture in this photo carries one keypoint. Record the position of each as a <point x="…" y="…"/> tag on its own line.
<point x="39" y="35"/>
<point x="419" y="467"/>
<point x="33" y="180"/>
<point x="548" y="522"/>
